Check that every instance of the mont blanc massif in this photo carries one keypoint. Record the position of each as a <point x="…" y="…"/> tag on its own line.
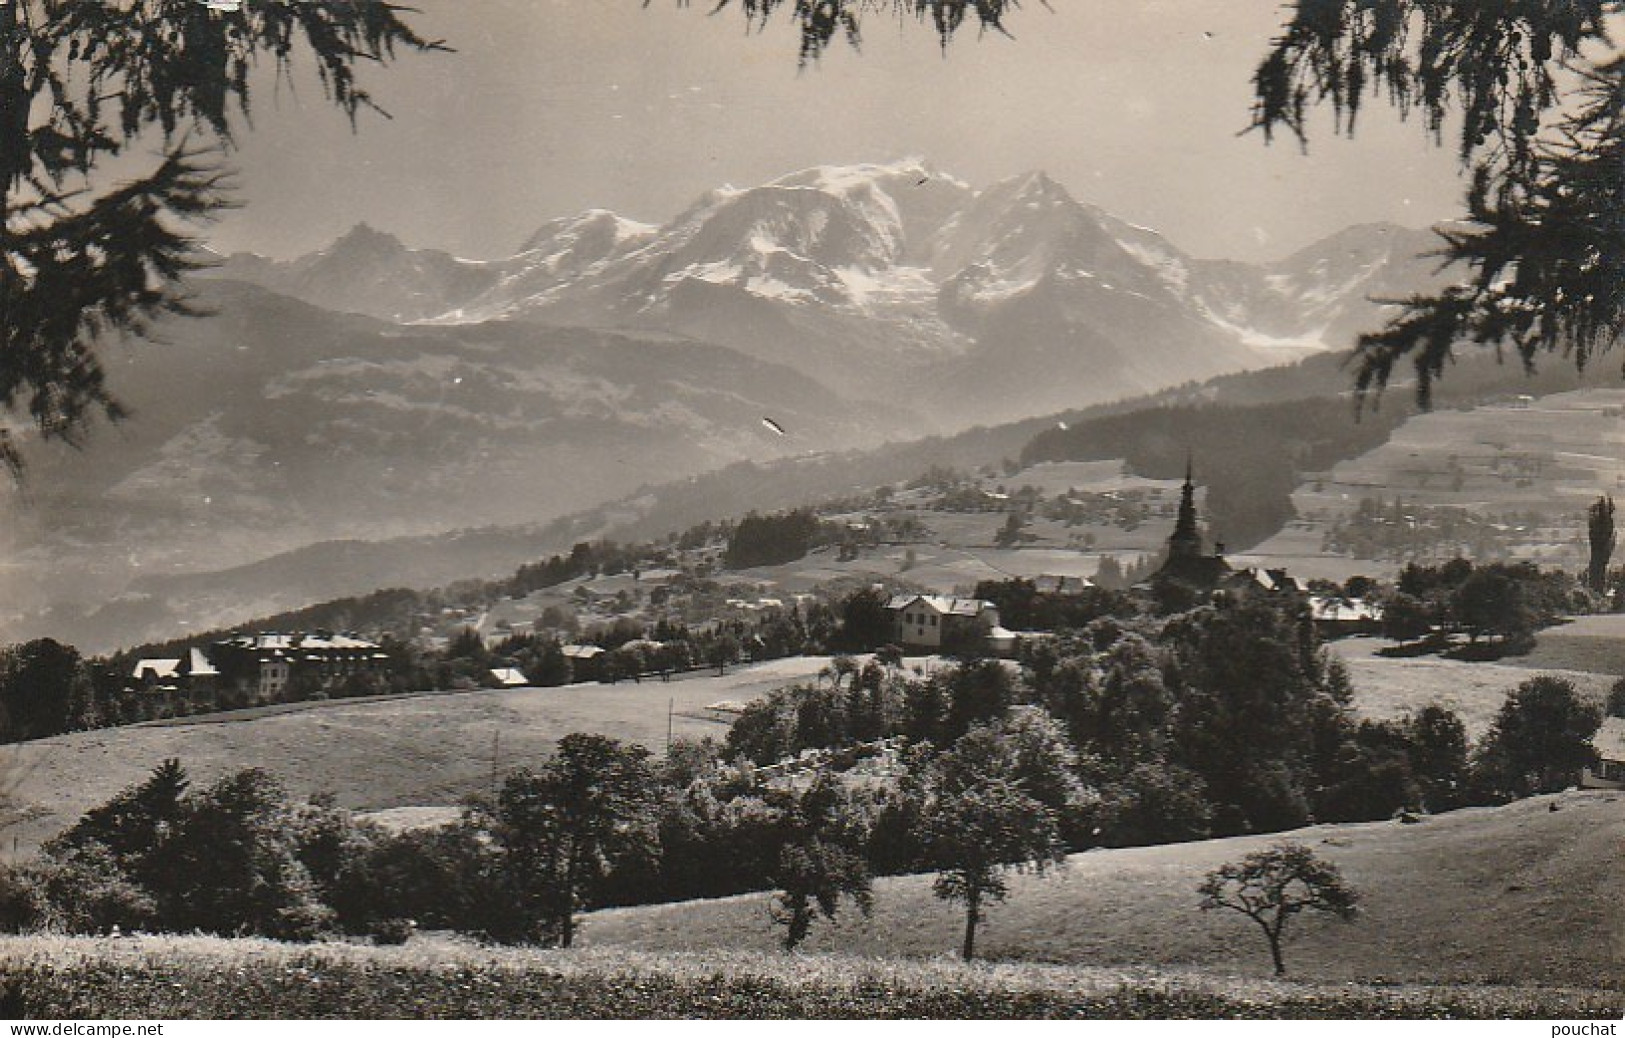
<point x="370" y="391"/>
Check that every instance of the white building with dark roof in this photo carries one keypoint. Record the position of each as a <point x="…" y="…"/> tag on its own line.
<point x="937" y="621"/>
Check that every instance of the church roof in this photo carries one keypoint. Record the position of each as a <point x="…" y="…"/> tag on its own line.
<point x="1204" y="572"/>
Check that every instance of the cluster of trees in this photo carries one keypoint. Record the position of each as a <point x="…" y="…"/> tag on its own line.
<point x="45" y="688"/>
<point x="1215" y="722"/>
<point x="1405" y="531"/>
<point x="1023" y="608"/>
<point x="586" y="557"/>
<point x="771" y="540"/>
<point x="599" y="823"/>
<point x="990" y="786"/>
<point x="1505" y="603"/>
<point x="236" y="857"/>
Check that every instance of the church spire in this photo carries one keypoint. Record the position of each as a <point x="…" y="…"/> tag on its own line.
<point x="1186" y="540"/>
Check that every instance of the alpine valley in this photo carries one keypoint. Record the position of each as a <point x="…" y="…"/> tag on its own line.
<point x="372" y="392"/>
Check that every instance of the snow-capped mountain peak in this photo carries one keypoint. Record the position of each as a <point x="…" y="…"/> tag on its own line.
<point x="883" y="278"/>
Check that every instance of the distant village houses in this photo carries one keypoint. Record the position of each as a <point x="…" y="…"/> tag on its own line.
<point x="1069" y="587"/>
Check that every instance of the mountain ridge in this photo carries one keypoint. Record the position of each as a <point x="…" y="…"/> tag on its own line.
<point x="899" y="281"/>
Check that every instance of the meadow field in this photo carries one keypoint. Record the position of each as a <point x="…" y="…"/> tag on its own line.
<point x="1496" y="913"/>
<point x="1387" y="687"/>
<point x="200" y="978"/>
<point x="1521" y="895"/>
<point x="373" y="754"/>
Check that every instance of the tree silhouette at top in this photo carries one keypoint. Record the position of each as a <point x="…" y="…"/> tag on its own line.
<point x="1539" y="92"/>
<point x="820" y="22"/>
<point x="85" y="83"/>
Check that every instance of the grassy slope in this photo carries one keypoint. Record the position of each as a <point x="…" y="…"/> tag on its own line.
<point x="1588" y="643"/>
<point x="405" y="750"/>
<point x="1513" y="895"/>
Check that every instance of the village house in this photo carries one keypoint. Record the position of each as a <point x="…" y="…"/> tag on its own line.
<point x="586" y="661"/>
<point x="156" y="675"/>
<point x="1335" y="616"/>
<point x="191" y="677"/>
<point x="935" y="622"/>
<point x="1256" y="581"/>
<point x="1608" y="771"/>
<point x="507" y="677"/>
<point x="1069" y="587"/>
<point x="202" y="677"/>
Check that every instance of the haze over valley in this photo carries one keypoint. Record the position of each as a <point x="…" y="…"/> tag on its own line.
<point x="370" y="391"/>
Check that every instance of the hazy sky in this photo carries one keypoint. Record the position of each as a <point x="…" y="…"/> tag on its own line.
<point x="552" y="106"/>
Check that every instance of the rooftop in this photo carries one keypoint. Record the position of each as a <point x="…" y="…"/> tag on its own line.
<point x="944" y="604"/>
<point x="1609" y="742"/>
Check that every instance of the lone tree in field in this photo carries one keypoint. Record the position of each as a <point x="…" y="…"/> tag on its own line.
<point x="1600" y="527"/>
<point x="982" y="821"/>
<point x="80" y="84"/>
<point x="1271" y="886"/>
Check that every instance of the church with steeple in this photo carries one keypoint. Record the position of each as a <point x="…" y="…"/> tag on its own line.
<point x="1187" y="567"/>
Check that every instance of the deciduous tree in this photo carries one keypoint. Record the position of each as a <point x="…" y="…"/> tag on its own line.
<point x="1539" y="740"/>
<point x="981" y="822"/>
<point x="1271" y="886"/>
<point x="565" y="824"/>
<point x="822" y="861"/>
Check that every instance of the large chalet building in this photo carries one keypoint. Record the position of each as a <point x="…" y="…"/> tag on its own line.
<point x="261" y="666"/>
<point x="267" y="663"/>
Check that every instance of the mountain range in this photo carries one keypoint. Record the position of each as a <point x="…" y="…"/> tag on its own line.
<point x="371" y="391"/>
<point x="897" y="285"/>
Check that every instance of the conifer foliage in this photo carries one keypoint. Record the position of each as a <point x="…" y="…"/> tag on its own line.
<point x="1539" y="90"/>
<point x="82" y="84"/>
<point x="821" y="21"/>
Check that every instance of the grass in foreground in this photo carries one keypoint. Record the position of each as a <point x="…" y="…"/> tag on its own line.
<point x="201" y="978"/>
